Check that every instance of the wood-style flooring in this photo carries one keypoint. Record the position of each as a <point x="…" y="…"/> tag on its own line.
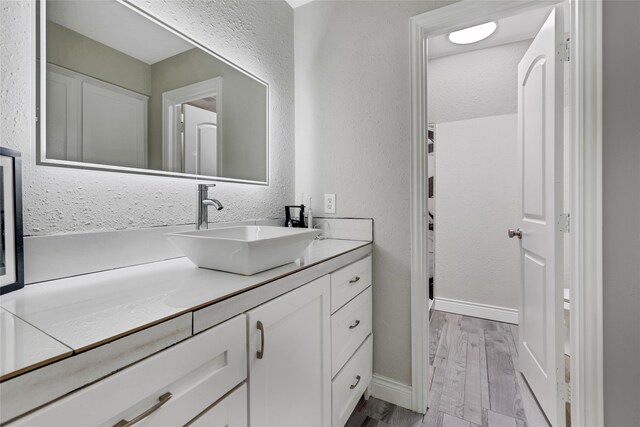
<point x="474" y="380"/>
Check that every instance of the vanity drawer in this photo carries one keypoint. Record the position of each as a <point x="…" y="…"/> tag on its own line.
<point x="351" y="382"/>
<point x="196" y="372"/>
<point x="349" y="327"/>
<point x="229" y="412"/>
<point x="349" y="281"/>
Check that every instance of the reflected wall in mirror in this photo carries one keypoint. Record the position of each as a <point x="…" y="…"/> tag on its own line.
<point x="124" y="92"/>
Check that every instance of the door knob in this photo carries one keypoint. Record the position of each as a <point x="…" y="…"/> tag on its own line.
<point x="515" y="233"/>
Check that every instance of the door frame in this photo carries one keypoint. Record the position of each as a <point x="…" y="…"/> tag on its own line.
<point x="172" y="101"/>
<point x="586" y="193"/>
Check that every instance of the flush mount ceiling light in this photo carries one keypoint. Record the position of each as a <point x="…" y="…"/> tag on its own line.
<point x="473" y="34"/>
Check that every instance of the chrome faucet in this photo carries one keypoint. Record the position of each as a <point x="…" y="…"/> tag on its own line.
<point x="202" y="206"/>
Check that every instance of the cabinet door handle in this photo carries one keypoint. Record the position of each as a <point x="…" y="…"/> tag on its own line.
<point x="161" y="401"/>
<point x="355" y="325"/>
<point x="354" y="385"/>
<point x="354" y="280"/>
<point x="260" y="353"/>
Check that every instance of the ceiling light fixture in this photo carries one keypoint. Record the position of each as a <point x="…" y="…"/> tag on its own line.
<point x="473" y="34"/>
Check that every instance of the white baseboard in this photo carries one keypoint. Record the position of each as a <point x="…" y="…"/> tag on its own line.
<point x="484" y="311"/>
<point x="391" y="391"/>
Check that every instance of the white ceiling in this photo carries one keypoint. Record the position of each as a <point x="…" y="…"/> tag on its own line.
<point x="510" y="29"/>
<point x="119" y="27"/>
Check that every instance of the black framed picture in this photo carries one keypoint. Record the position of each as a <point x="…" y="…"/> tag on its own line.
<point x="11" y="243"/>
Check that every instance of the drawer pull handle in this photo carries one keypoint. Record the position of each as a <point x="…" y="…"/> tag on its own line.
<point x="356" y="383"/>
<point x="354" y="280"/>
<point x="161" y="401"/>
<point x="355" y="325"/>
<point x="260" y="353"/>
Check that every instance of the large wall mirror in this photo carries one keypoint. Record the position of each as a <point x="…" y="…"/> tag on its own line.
<point x="119" y="90"/>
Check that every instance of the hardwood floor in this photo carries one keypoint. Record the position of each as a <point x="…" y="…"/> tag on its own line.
<point x="474" y="380"/>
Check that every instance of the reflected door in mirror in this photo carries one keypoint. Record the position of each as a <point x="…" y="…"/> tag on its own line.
<point x="200" y="141"/>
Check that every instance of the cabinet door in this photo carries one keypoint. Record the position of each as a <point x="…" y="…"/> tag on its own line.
<point x="290" y="358"/>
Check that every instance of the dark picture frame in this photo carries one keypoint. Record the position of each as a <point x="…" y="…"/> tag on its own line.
<point x="11" y="237"/>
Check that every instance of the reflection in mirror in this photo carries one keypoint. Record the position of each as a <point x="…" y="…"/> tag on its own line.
<point x="123" y="91"/>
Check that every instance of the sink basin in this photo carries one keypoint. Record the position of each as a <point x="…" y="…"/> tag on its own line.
<point x="243" y="250"/>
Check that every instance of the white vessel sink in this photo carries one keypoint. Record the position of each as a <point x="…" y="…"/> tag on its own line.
<point x="243" y="250"/>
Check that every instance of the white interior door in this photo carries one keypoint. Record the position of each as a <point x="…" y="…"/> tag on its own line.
<point x="200" y="141"/>
<point x="540" y="128"/>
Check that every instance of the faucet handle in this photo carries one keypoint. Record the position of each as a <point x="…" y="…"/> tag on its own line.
<point x="204" y="187"/>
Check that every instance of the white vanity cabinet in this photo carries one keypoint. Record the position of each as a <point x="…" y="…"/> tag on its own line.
<point x="290" y="358"/>
<point x="303" y="357"/>
<point x="169" y="388"/>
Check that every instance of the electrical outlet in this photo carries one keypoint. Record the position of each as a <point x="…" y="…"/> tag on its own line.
<point x="329" y="203"/>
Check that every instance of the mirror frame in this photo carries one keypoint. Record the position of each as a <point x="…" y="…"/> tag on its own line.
<point x="41" y="102"/>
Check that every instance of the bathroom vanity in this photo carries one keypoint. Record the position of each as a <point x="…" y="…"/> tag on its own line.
<point x="94" y="339"/>
<point x="168" y="343"/>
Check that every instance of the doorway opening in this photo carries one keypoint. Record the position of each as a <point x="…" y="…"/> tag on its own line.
<point x="539" y="338"/>
<point x="478" y="189"/>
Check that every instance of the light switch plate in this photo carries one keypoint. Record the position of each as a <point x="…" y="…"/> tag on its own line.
<point x="329" y="203"/>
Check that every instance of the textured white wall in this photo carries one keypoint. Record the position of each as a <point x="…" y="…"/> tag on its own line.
<point x="353" y="109"/>
<point x="474" y="84"/>
<point x="477" y="200"/>
<point x="256" y="35"/>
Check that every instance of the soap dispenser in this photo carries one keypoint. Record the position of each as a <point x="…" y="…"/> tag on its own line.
<point x="310" y="216"/>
